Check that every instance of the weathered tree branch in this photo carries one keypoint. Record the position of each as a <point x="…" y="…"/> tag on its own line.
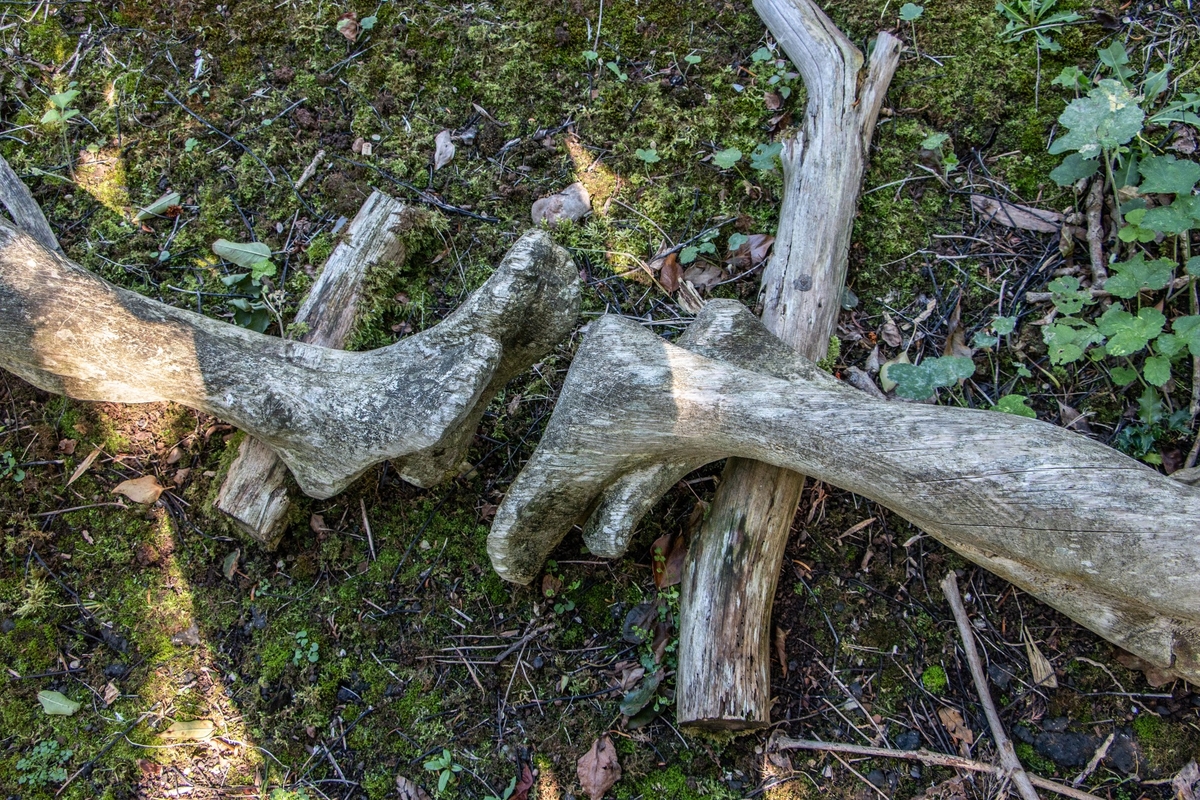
<point x="254" y="493"/>
<point x="328" y="414"/>
<point x="1091" y="532"/>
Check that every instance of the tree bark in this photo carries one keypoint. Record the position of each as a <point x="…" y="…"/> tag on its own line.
<point x="725" y="619"/>
<point x="254" y="493"/>
<point x="1093" y="533"/>
<point x="328" y="414"/>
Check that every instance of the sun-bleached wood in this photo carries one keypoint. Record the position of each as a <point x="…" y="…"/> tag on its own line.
<point x="802" y="285"/>
<point x="26" y="213"/>
<point x="1102" y="538"/>
<point x="254" y="493"/>
<point x="328" y="414"/>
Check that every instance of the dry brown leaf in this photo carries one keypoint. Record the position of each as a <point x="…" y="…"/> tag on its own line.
<point x="67" y="447"/>
<point x="524" y="783"/>
<point x="669" y="554"/>
<point x="1187" y="783"/>
<point x="599" y="769"/>
<point x="409" y="790"/>
<point x="959" y="731"/>
<point x="773" y="100"/>
<point x="145" y="490"/>
<point x="1154" y="676"/>
<point x="855" y="528"/>
<point x="890" y="332"/>
<point x="347" y="25"/>
<point x="551" y="585"/>
<point x="703" y="275"/>
<point x="781" y="649"/>
<point x="760" y="247"/>
<point x="628" y="675"/>
<point x="444" y="150"/>
<point x="956" y="337"/>
<point x="1039" y="665"/>
<point x="111" y="693"/>
<point x="669" y="272"/>
<point x="83" y="467"/>
<point x="1072" y="419"/>
<point x="317" y="523"/>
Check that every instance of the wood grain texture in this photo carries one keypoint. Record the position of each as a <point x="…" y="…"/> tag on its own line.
<point x="328" y="414"/>
<point x="1093" y="533"/>
<point x="254" y="493"/>
<point x="25" y="212"/>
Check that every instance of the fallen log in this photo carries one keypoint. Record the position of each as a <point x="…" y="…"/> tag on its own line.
<point x="254" y="493"/>
<point x="328" y="414"/>
<point x="725" y="622"/>
<point x="1097" y="535"/>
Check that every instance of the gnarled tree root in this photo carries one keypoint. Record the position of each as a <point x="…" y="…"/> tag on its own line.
<point x="1102" y="538"/>
<point x="328" y="414"/>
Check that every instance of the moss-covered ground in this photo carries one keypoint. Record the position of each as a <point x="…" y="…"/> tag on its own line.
<point x="334" y="664"/>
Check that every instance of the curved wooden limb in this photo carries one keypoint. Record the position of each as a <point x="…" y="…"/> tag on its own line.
<point x="1093" y="533"/>
<point x="328" y="414"/>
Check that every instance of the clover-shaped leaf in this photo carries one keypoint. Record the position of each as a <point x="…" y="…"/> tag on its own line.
<point x="1128" y="334"/>
<point x="1067" y="339"/>
<point x="727" y="158"/>
<point x="1168" y="175"/>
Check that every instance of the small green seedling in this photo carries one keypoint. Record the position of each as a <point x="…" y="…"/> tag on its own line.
<point x="649" y="155"/>
<point x="775" y="72"/>
<point x="507" y="793"/>
<point x="934" y="143"/>
<point x="615" y="69"/>
<point x="1036" y="17"/>
<point x="9" y="468"/>
<point x="591" y="56"/>
<point x="60" y="110"/>
<point x="727" y="158"/>
<point x="305" y="650"/>
<point x="43" y="765"/>
<point x="251" y="311"/>
<point x="911" y="12"/>
<point x="447" y="769"/>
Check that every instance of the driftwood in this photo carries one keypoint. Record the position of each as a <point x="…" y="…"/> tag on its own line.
<point x="255" y="493"/>
<point x="725" y="619"/>
<point x="329" y="415"/>
<point x="1102" y="538"/>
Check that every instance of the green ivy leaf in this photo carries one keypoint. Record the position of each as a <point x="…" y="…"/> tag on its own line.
<point x="1068" y="338"/>
<point x="1126" y="333"/>
<point x="1137" y="275"/>
<point x="761" y="54"/>
<point x="1188" y="330"/>
<point x="1004" y="325"/>
<point x="917" y="382"/>
<point x="1169" y="345"/>
<point x="1157" y="370"/>
<point x="765" y="155"/>
<point x="1173" y="219"/>
<point x="649" y="155"/>
<point x="910" y="12"/>
<point x="688" y="254"/>
<point x="934" y="140"/>
<point x="1168" y="175"/>
<point x="1068" y="298"/>
<point x="366" y="23"/>
<point x="1015" y="404"/>
<point x="736" y="240"/>
<point x="1074" y="168"/>
<point x="727" y="158"/>
<point x="1108" y="117"/>
<point x="1123" y="376"/>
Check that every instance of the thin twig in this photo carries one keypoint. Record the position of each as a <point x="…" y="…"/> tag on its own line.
<point x="1097" y="757"/>
<point x="925" y="757"/>
<point x="367" y="526"/>
<point x="1008" y="754"/>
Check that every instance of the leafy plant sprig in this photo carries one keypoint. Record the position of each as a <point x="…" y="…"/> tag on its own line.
<point x="446" y="768"/>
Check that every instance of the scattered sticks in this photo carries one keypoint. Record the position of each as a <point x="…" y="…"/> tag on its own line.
<point x="925" y="757"/>
<point x="1008" y="754"/>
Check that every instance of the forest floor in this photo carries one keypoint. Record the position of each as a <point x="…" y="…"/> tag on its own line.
<point x="205" y="666"/>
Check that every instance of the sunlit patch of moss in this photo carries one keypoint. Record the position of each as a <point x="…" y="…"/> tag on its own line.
<point x="102" y="175"/>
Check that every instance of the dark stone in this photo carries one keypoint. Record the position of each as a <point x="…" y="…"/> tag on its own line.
<point x="1000" y="676"/>
<point x="1023" y="734"/>
<point x="915" y="772"/>
<point x="538" y="662"/>
<point x="1123" y="754"/>
<point x="909" y="740"/>
<point x="1056" y="725"/>
<point x="347" y="695"/>
<point x="1067" y="749"/>
<point x="877" y="778"/>
<point x="7" y="625"/>
<point x="116" y="670"/>
<point x="258" y="620"/>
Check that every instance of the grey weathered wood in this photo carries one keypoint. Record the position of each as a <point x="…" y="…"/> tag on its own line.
<point x="328" y="414"/>
<point x="25" y="212"/>
<point x="254" y="493"/>
<point x="1102" y="538"/>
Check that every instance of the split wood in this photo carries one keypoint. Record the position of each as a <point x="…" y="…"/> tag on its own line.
<point x="1091" y="532"/>
<point x="1008" y="754"/>
<point x="254" y="493"/>
<point x="725" y="618"/>
<point x="329" y="415"/>
<point x="925" y="757"/>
